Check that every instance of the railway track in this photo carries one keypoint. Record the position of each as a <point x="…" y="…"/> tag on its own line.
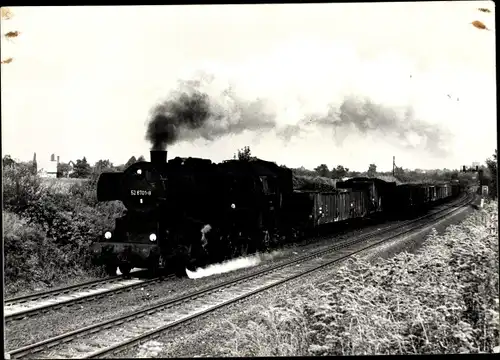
<point x="115" y="335"/>
<point x="33" y="304"/>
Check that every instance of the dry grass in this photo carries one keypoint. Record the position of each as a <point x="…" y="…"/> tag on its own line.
<point x="444" y="299"/>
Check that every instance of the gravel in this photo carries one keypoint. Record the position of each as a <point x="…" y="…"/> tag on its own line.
<point x="12" y="291"/>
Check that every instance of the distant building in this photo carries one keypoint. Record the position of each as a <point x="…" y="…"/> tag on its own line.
<point x="72" y="167"/>
<point x="48" y="167"/>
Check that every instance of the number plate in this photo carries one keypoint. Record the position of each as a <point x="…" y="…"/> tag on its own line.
<point x="140" y="192"/>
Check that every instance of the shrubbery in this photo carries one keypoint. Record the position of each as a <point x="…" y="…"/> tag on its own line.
<point x="30" y="256"/>
<point x="21" y="187"/>
<point x="444" y="299"/>
<point x="48" y="231"/>
<point x="318" y="183"/>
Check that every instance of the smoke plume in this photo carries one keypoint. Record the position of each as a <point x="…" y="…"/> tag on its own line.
<point x="365" y="117"/>
<point x="199" y="110"/>
<point x="203" y="109"/>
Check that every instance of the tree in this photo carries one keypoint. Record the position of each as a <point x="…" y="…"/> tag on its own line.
<point x="399" y="172"/>
<point x="339" y="172"/>
<point x="81" y="169"/>
<point x="63" y="169"/>
<point x="303" y="171"/>
<point x="103" y="165"/>
<point x="7" y="161"/>
<point x="372" y="170"/>
<point x="130" y="161"/>
<point x="492" y="167"/>
<point x="244" y="154"/>
<point x="404" y="176"/>
<point x="322" y="170"/>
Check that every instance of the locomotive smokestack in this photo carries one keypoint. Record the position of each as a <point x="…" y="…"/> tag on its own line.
<point x="158" y="157"/>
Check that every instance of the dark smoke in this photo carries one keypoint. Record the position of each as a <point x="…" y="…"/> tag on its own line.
<point x="191" y="113"/>
<point x="188" y="111"/>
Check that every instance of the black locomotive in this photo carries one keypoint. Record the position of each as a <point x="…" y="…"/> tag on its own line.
<point x="190" y="212"/>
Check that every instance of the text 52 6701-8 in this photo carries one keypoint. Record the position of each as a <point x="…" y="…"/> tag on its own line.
<point x="140" y="192"/>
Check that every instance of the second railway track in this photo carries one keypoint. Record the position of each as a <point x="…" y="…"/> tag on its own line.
<point x="33" y="304"/>
<point x="115" y="335"/>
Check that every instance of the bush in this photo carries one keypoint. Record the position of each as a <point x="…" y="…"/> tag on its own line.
<point x="444" y="299"/>
<point x="21" y="188"/>
<point x="50" y="230"/>
<point x="305" y="182"/>
<point x="30" y="256"/>
<point x="85" y="190"/>
<point x="279" y="330"/>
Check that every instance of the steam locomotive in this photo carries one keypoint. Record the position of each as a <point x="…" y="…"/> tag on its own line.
<point x="186" y="213"/>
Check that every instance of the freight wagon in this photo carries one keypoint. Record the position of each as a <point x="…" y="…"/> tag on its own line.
<point x="324" y="208"/>
<point x="411" y="198"/>
<point x="379" y="192"/>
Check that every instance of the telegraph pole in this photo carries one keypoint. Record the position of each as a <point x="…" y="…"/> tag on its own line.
<point x="393" y="164"/>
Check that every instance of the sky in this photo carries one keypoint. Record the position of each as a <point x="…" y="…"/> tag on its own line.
<point x="353" y="84"/>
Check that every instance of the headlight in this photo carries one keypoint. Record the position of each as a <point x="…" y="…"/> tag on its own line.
<point x="233" y="206"/>
<point x="107" y="235"/>
<point x="152" y="237"/>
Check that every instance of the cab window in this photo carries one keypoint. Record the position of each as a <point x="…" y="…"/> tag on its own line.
<point x="268" y="185"/>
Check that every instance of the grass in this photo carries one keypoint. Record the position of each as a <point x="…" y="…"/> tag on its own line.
<point x="444" y="299"/>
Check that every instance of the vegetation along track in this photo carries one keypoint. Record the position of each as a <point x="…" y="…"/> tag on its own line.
<point x="115" y="335"/>
<point x="33" y="304"/>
